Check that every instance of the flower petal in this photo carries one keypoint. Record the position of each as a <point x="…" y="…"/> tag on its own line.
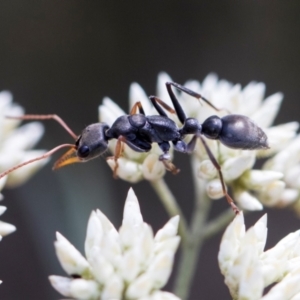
<point x="169" y="230"/>
<point x="265" y="116"/>
<point x="61" y="284"/>
<point x="132" y="214"/>
<point x="69" y="257"/>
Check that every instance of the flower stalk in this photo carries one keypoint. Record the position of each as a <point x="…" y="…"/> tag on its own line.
<point x="169" y="202"/>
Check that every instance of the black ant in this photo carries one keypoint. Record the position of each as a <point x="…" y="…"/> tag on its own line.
<point x="139" y="131"/>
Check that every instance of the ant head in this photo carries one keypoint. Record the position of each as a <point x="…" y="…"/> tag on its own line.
<point x="90" y="144"/>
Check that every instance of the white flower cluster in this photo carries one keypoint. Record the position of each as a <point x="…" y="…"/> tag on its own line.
<point x="16" y="143"/>
<point x="248" y="269"/>
<point x="251" y="188"/>
<point x="274" y="185"/>
<point x="5" y="228"/>
<point x="129" y="264"/>
<point x="133" y="166"/>
<point x="287" y="162"/>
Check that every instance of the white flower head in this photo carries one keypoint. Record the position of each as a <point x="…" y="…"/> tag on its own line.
<point x="17" y="142"/>
<point x="236" y="165"/>
<point x="130" y="263"/>
<point x="251" y="188"/>
<point x="248" y="269"/>
<point x="286" y="161"/>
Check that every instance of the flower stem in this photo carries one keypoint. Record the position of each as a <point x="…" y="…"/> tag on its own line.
<point x="191" y="247"/>
<point x="170" y="204"/>
<point x="213" y="227"/>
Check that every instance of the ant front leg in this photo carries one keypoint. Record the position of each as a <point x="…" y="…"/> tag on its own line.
<point x="119" y="149"/>
<point x="137" y="106"/>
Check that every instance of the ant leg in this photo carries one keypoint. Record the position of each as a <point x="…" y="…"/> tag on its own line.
<point x="189" y="92"/>
<point x="118" y="153"/>
<point x="46" y="117"/>
<point x="218" y="167"/>
<point x="179" y="111"/>
<point x="191" y="145"/>
<point x="156" y="102"/>
<point x="137" y="106"/>
<point x="165" y="158"/>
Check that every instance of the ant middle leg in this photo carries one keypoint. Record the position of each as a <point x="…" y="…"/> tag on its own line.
<point x="165" y="158"/>
<point x="157" y="103"/>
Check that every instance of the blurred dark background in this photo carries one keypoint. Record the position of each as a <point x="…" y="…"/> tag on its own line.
<point x="63" y="57"/>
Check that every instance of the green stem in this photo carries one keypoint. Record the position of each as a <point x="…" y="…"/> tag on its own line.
<point x="192" y="246"/>
<point x="216" y="225"/>
<point x="170" y="204"/>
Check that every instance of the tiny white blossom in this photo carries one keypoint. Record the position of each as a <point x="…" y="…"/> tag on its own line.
<point x="130" y="263"/>
<point x="16" y="142"/>
<point x="248" y="269"/>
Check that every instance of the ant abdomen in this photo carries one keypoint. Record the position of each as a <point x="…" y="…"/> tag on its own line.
<point x="239" y="132"/>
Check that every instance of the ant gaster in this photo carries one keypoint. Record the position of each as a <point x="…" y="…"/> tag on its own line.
<point x="139" y="131"/>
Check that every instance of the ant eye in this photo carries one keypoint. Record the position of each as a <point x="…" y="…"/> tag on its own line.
<point x="83" y="151"/>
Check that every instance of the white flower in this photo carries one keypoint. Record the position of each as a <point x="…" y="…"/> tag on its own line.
<point x="16" y="142"/>
<point x="248" y="269"/>
<point x="127" y="264"/>
<point x="237" y="165"/>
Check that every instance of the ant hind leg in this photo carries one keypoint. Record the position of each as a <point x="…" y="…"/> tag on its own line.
<point x="189" y="92"/>
<point x="218" y="167"/>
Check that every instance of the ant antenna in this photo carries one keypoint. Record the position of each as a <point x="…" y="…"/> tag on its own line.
<point x="46" y="117"/>
<point x="63" y="161"/>
<point x="47" y="154"/>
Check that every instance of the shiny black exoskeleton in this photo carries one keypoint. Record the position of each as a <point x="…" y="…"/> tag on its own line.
<point x="139" y="131"/>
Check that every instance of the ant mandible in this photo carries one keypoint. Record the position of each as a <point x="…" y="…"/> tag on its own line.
<point x="139" y="131"/>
